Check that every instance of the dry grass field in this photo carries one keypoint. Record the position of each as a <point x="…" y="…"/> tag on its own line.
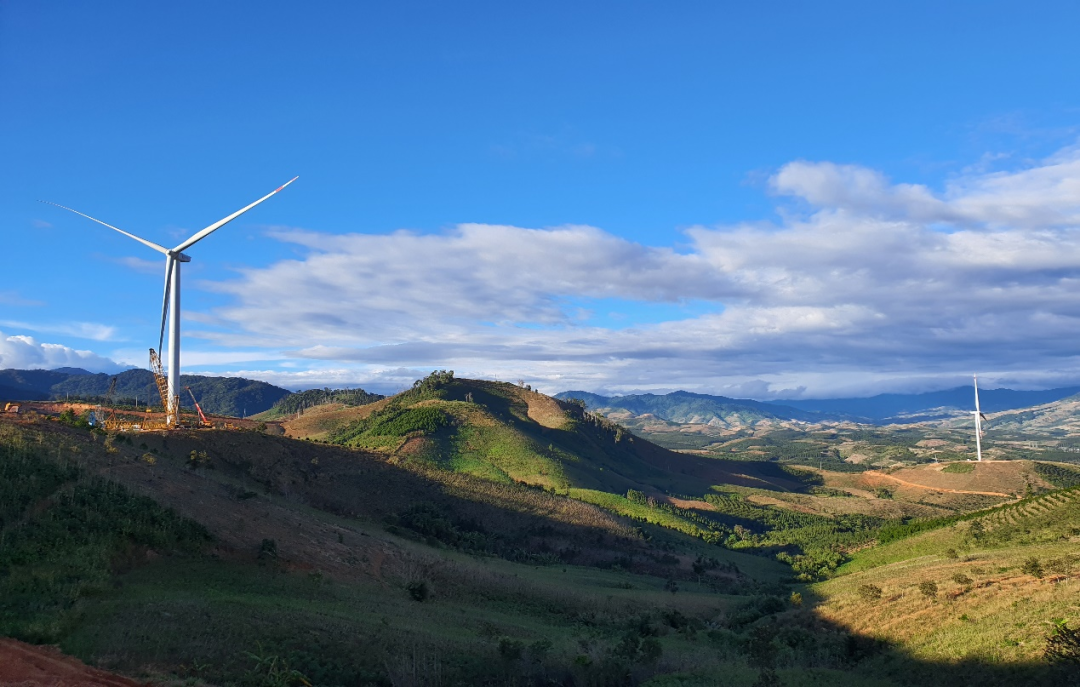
<point x="989" y="588"/>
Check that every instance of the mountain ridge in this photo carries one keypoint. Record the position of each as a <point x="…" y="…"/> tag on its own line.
<point x="686" y="407"/>
<point x="234" y="396"/>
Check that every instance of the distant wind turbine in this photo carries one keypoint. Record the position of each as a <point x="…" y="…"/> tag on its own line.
<point x="979" y="417"/>
<point x="170" y="303"/>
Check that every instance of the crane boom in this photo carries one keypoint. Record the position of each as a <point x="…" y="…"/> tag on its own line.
<point x="202" y="417"/>
<point x="163" y="388"/>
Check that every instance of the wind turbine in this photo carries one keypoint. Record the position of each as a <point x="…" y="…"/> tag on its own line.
<point x="979" y="417"/>
<point x="170" y="303"/>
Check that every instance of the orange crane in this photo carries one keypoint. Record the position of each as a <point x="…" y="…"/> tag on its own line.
<point x="202" y="417"/>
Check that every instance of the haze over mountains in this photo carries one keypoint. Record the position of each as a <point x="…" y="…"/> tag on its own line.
<point x="686" y="407"/>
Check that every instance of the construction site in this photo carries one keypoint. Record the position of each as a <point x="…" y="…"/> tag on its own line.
<point x="112" y="414"/>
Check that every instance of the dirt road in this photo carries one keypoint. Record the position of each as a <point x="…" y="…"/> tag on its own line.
<point x="24" y="665"/>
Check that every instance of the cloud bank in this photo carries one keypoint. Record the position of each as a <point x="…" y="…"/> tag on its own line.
<point x="863" y="284"/>
<point x="23" y="352"/>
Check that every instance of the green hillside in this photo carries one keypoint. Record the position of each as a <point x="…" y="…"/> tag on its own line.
<point x="993" y="585"/>
<point x="507" y="433"/>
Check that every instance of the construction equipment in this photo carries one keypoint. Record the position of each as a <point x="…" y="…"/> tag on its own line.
<point x="202" y="417"/>
<point x="171" y="404"/>
<point x="11" y="408"/>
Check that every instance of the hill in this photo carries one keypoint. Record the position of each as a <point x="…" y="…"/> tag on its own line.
<point x="508" y="433"/>
<point x="992" y="586"/>
<point x="303" y="401"/>
<point x="232" y="396"/>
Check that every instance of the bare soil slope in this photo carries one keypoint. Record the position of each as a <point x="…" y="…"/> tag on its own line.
<point x="1003" y="478"/>
<point x="24" y="665"/>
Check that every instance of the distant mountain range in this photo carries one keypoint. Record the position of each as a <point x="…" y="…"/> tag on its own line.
<point x="931" y="405"/>
<point x="685" y="407"/>
<point x="233" y="396"/>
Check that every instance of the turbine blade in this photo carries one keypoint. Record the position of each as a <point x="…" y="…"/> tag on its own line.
<point x="169" y="266"/>
<point x="151" y="244"/>
<point x="220" y="223"/>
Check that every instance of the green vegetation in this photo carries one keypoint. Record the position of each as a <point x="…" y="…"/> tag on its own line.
<point x="233" y="396"/>
<point x="1060" y="476"/>
<point x="813" y="545"/>
<point x="959" y="468"/>
<point x="79" y="528"/>
<point x="296" y="402"/>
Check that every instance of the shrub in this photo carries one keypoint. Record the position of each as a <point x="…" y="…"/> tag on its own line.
<point x="928" y="589"/>
<point x="1059" y="566"/>
<point x="419" y="591"/>
<point x="961" y="578"/>
<point x="1032" y="567"/>
<point x="1063" y="645"/>
<point x="511" y="649"/>
<point x="869" y="592"/>
<point x="268" y="549"/>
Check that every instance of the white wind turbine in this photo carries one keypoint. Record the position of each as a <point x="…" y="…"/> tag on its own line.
<point x="170" y="304"/>
<point x="979" y="417"/>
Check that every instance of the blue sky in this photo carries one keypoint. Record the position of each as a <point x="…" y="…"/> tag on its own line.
<point x="769" y="199"/>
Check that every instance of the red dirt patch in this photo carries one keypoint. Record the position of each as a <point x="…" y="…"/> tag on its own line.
<point x="24" y="665"/>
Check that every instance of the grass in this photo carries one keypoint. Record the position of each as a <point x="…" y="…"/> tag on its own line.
<point x="997" y="595"/>
<point x="959" y="468"/>
<point x="639" y="511"/>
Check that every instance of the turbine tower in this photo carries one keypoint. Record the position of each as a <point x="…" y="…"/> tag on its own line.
<point x="170" y="303"/>
<point x="979" y="417"/>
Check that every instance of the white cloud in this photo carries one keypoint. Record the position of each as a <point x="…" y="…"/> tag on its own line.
<point x="13" y="298"/>
<point x="141" y="265"/>
<point x="872" y="282"/>
<point x="23" y="352"/>
<point x="82" y="330"/>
